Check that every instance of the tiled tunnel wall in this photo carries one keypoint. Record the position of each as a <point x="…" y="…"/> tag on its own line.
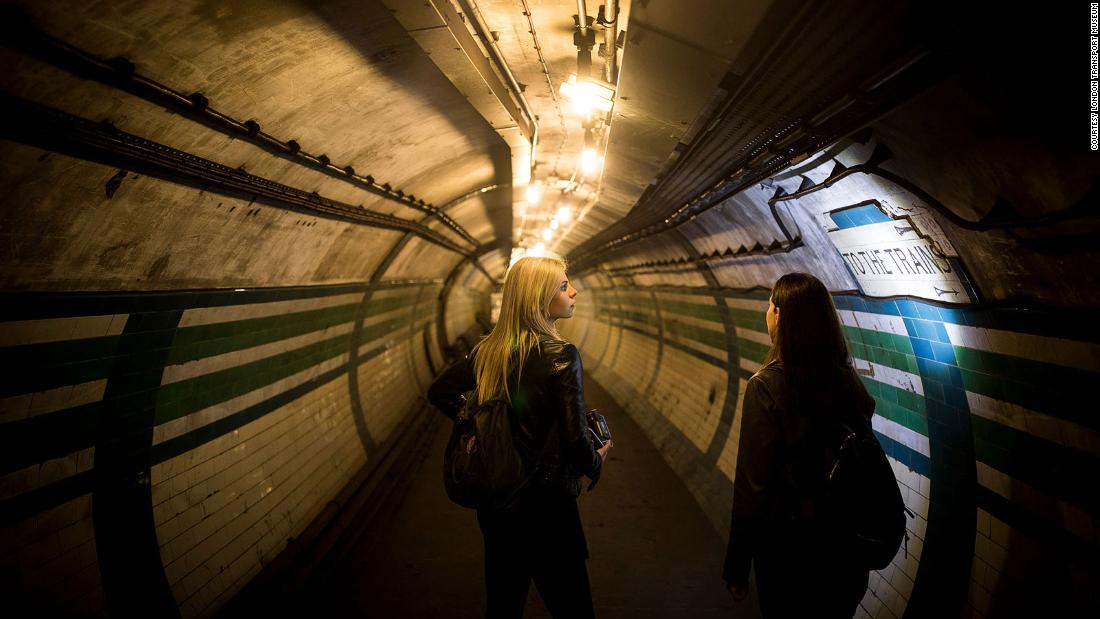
<point x="171" y="438"/>
<point x="983" y="412"/>
<point x="985" y="406"/>
<point x="466" y="314"/>
<point x="195" y="370"/>
<point x="185" y="437"/>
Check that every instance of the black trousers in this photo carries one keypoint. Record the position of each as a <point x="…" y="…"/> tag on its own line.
<point x="800" y="576"/>
<point x="541" y="540"/>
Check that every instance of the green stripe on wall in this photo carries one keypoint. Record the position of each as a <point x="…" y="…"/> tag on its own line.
<point x="649" y="319"/>
<point x="901" y="415"/>
<point x="703" y="312"/>
<point x="202" y="341"/>
<point x="37" y="367"/>
<point x="749" y="319"/>
<point x="699" y="291"/>
<point x="1023" y="370"/>
<point x="913" y="402"/>
<point x="886" y="349"/>
<point x="710" y="337"/>
<point x="629" y="299"/>
<point x="1060" y="471"/>
<point x="187" y="396"/>
<point x="380" y="306"/>
<point x="1044" y="387"/>
<point x="376" y="331"/>
<point x="754" y="351"/>
<point x="879" y="339"/>
<point x="210" y="340"/>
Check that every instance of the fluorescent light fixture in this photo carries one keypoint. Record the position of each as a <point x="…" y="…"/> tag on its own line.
<point x="533" y="194"/>
<point x="588" y="95"/>
<point x="590" y="162"/>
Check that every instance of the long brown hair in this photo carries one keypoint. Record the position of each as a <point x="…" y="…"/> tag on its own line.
<point x="809" y="340"/>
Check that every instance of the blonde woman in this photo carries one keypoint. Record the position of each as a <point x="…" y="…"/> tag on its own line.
<point x="526" y="361"/>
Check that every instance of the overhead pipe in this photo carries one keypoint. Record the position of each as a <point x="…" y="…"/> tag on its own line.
<point x="46" y="127"/>
<point x="585" y="39"/>
<point x="497" y="58"/>
<point x="121" y="73"/>
<point x="473" y="194"/>
<point x="549" y="83"/>
<point x="609" y="18"/>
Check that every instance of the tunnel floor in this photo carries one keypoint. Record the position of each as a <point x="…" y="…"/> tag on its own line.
<point x="653" y="552"/>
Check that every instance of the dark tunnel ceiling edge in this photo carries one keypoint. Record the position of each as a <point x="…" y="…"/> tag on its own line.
<point x="46" y="127"/>
<point x="121" y="73"/>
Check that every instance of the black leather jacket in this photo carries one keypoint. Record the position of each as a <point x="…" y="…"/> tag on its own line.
<point x="549" y="429"/>
<point x="779" y="461"/>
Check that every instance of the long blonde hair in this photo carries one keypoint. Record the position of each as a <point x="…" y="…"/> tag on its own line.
<point x="529" y="287"/>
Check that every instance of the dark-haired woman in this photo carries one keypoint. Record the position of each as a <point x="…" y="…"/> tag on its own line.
<point x="807" y="383"/>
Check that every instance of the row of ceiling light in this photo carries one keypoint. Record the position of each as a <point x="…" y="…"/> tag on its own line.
<point x="591" y="99"/>
<point x="563" y="215"/>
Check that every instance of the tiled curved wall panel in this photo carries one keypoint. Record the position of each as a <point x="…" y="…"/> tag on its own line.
<point x="178" y="440"/>
<point x="983" y="407"/>
<point x="982" y="412"/>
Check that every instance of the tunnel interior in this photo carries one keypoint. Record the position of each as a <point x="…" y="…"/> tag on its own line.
<point x="240" y="239"/>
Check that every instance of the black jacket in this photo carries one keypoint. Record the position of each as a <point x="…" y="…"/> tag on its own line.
<point x="549" y="425"/>
<point x="781" y="462"/>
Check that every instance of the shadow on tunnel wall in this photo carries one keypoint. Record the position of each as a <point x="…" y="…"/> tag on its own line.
<point x="372" y="31"/>
<point x="160" y="449"/>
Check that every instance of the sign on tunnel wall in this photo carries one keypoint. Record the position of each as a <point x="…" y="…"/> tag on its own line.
<point x="882" y="226"/>
<point x="891" y="256"/>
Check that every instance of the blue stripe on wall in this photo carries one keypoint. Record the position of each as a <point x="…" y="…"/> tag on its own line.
<point x="915" y="460"/>
<point x="943" y="575"/>
<point x="859" y="216"/>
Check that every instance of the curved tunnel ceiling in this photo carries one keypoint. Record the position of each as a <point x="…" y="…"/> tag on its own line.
<point x="374" y="127"/>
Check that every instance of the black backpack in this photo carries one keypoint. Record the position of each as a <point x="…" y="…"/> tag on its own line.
<point x="861" y="504"/>
<point x="481" y="467"/>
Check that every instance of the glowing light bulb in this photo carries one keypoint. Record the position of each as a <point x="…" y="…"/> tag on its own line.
<point x="538" y="250"/>
<point x="564" y="214"/>
<point x="589" y="161"/>
<point x="547" y="234"/>
<point x="553" y="224"/>
<point x="533" y="194"/>
<point x="587" y="95"/>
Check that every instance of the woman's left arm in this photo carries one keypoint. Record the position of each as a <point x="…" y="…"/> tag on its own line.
<point x="760" y="435"/>
<point x="567" y="387"/>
